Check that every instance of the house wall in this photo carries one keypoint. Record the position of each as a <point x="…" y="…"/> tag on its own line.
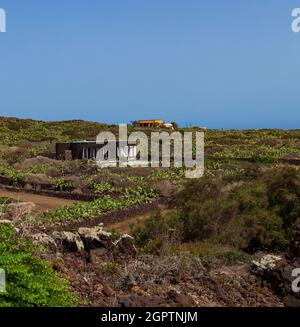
<point x="150" y="123"/>
<point x="77" y="148"/>
<point x="91" y="148"/>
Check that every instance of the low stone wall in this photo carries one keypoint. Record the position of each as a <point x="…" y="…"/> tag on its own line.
<point x="113" y="217"/>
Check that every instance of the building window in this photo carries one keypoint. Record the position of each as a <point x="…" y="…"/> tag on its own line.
<point x="85" y="153"/>
<point x="92" y="153"/>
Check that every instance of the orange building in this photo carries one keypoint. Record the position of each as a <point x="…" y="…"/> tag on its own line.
<point x="149" y="123"/>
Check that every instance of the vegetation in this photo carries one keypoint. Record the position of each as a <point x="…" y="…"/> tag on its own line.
<point x="18" y="175"/>
<point x="102" y="187"/>
<point x="62" y="184"/>
<point x="250" y="215"/>
<point x="265" y="146"/>
<point x="248" y="201"/>
<point x="5" y="200"/>
<point x="106" y="204"/>
<point x="31" y="281"/>
<point x="8" y="171"/>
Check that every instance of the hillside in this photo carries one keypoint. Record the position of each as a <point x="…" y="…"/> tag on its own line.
<point x="230" y="238"/>
<point x="258" y="145"/>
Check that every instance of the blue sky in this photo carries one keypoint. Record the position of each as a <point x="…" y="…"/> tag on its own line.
<point x="221" y="64"/>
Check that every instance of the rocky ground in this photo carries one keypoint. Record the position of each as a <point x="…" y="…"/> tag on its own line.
<point x="112" y="273"/>
<point x="109" y="271"/>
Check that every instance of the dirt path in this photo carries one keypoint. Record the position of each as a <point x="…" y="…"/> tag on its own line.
<point x="42" y="203"/>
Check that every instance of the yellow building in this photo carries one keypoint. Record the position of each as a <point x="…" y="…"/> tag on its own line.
<point x="149" y="123"/>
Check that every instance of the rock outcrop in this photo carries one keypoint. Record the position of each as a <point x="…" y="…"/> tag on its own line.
<point x="125" y="247"/>
<point x="95" y="238"/>
<point x="279" y="278"/>
<point x="42" y="238"/>
<point x="97" y="243"/>
<point x="265" y="263"/>
<point x="279" y="274"/>
<point x="70" y="241"/>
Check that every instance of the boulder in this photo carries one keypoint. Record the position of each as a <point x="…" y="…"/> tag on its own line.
<point x="94" y="238"/>
<point x="70" y="241"/>
<point x="125" y="246"/>
<point x="266" y="262"/>
<point x="278" y="275"/>
<point x="42" y="238"/>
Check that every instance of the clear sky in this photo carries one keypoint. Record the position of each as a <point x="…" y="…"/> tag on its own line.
<point x="216" y="63"/>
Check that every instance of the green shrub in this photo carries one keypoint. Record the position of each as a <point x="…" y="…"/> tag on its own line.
<point x="153" y="228"/>
<point x="62" y="184"/>
<point x="257" y="214"/>
<point x="100" y="188"/>
<point x="31" y="281"/>
<point x="153" y="234"/>
<point x="284" y="196"/>
<point x="139" y="194"/>
<point x="9" y="171"/>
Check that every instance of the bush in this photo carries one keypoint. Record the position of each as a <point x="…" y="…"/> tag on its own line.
<point x="253" y="216"/>
<point x="151" y="233"/>
<point x="284" y="196"/>
<point x="257" y="214"/>
<point x="63" y="184"/>
<point x="31" y="281"/>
